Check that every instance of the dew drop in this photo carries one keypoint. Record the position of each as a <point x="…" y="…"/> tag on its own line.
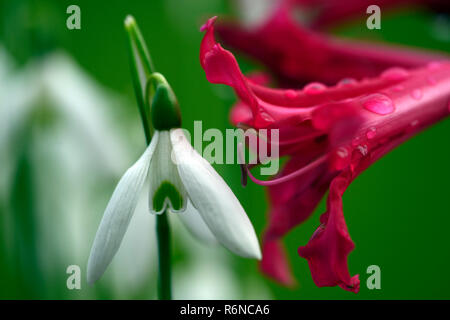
<point x="342" y="158"/>
<point x="371" y="133"/>
<point x="265" y="116"/>
<point x="342" y="152"/>
<point x="378" y="103"/>
<point x="290" y="94"/>
<point x="414" y="123"/>
<point x="363" y="149"/>
<point x="395" y="74"/>
<point x="417" y="94"/>
<point x="346" y="82"/>
<point x="314" y="88"/>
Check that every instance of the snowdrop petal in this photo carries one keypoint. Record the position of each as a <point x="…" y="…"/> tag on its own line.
<point x="166" y="189"/>
<point x="214" y="200"/>
<point x="193" y="221"/>
<point x="118" y="214"/>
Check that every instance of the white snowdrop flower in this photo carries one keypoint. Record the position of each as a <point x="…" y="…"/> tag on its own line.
<point x="181" y="182"/>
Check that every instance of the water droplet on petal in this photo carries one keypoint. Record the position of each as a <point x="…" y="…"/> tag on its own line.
<point x="346" y="82"/>
<point x="378" y="103"/>
<point x="314" y="88"/>
<point x="342" y="152"/>
<point x="342" y="158"/>
<point x="363" y="149"/>
<point x="395" y="74"/>
<point x="417" y="94"/>
<point x="265" y="116"/>
<point x="371" y="133"/>
<point x="290" y="94"/>
<point x="414" y="123"/>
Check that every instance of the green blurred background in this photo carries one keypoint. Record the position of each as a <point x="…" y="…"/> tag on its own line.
<point x="397" y="211"/>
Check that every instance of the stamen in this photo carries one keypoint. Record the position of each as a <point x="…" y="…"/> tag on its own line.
<point x="244" y="169"/>
<point x="285" y="178"/>
<point x="242" y="164"/>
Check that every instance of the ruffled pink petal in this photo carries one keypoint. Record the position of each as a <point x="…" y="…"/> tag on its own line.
<point x="344" y="89"/>
<point x="297" y="55"/>
<point x="327" y="13"/>
<point x="293" y="201"/>
<point x="221" y="67"/>
<point x="241" y="114"/>
<point x="274" y="263"/>
<point x="349" y="125"/>
<point x="330" y="245"/>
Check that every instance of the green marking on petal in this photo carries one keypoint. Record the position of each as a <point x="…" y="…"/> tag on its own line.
<point x="167" y="191"/>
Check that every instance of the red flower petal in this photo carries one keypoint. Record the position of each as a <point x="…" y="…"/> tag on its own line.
<point x="331" y="134"/>
<point x="274" y="263"/>
<point x="330" y="244"/>
<point x="297" y="55"/>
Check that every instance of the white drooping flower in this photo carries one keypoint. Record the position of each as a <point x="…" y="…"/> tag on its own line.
<point x="182" y="183"/>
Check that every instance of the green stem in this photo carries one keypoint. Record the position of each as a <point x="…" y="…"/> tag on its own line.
<point x="165" y="267"/>
<point x="141" y="71"/>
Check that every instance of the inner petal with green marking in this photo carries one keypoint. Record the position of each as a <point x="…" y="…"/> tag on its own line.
<point x="166" y="189"/>
<point x="167" y="192"/>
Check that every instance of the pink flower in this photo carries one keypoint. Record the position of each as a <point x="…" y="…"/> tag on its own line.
<point x="297" y="55"/>
<point x="321" y="14"/>
<point x="331" y="134"/>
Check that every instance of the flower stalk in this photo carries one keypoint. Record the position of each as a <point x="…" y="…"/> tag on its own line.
<point x="164" y="261"/>
<point x="142" y="70"/>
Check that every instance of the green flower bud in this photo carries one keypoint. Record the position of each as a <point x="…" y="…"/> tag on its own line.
<point x="165" y="111"/>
